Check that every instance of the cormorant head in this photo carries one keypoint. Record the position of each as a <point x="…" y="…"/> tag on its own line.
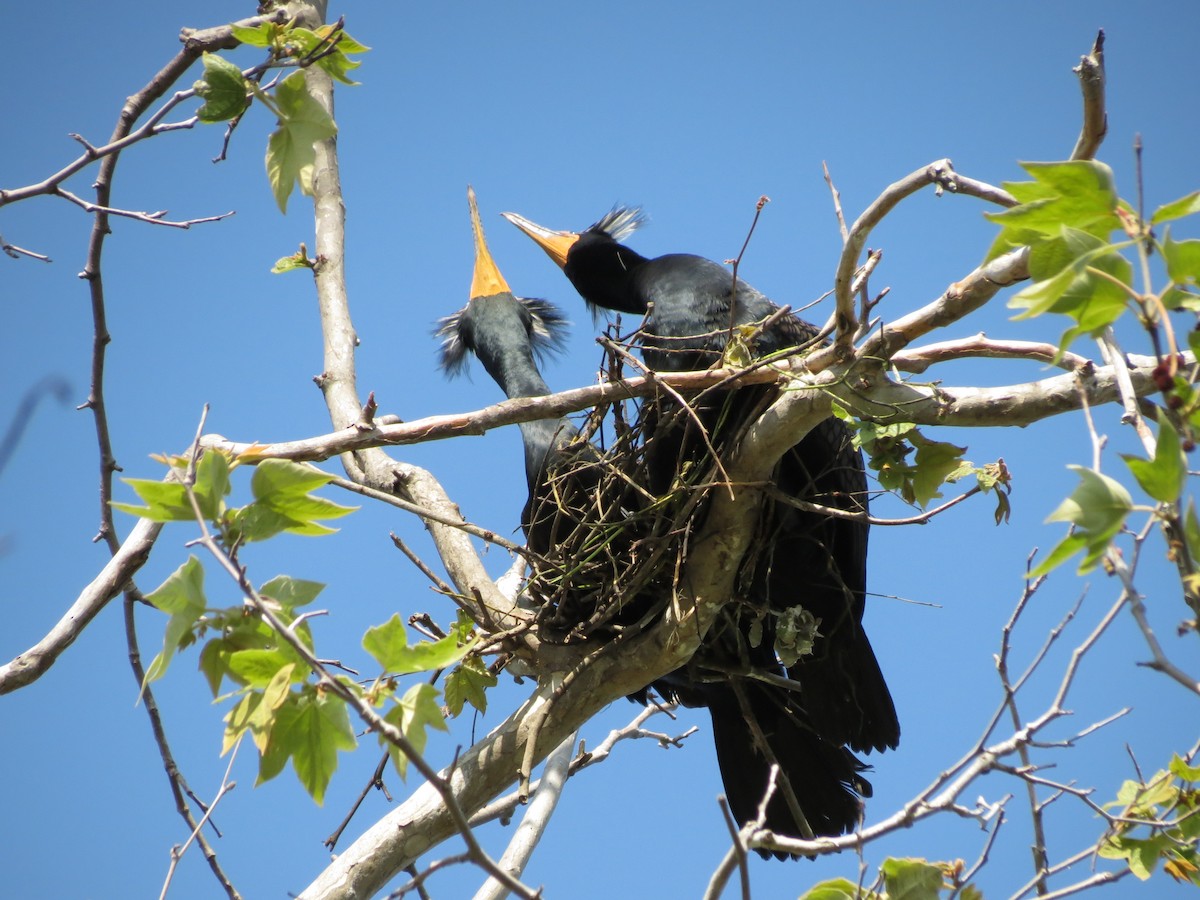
<point x="594" y="259"/>
<point x="494" y="317"/>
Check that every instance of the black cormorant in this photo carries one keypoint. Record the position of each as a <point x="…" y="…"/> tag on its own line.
<point x="816" y="562"/>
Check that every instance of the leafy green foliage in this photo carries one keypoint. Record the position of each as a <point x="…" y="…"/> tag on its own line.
<point x="911" y="879"/>
<point x="309" y="727"/>
<point x="915" y="467"/>
<point x="291" y="154"/>
<point x="1163" y="477"/>
<point x="284" y="502"/>
<point x="1160" y="823"/>
<point x="302" y="121"/>
<point x="327" y="47"/>
<point x="901" y="879"/>
<point x="388" y="643"/>
<point x="414" y="714"/>
<point x="1097" y="508"/>
<point x="223" y="88"/>
<point x="181" y="597"/>
<point x="468" y="683"/>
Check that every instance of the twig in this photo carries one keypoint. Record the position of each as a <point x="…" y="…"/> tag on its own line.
<point x="178" y="852"/>
<point x="152" y="218"/>
<point x="837" y="203"/>
<point x="178" y="784"/>
<point x="1091" y="82"/>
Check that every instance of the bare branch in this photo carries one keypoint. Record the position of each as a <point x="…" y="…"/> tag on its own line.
<point x="1091" y="82"/>
<point x="940" y="173"/>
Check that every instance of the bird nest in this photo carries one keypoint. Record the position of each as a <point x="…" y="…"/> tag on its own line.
<point x="614" y="520"/>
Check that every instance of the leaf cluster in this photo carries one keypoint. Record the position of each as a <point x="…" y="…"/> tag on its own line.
<point x="280" y="700"/>
<point x="302" y="121"/>
<point x="1159" y="822"/>
<point x="901" y="879"/>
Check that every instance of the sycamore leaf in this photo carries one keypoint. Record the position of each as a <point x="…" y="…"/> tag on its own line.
<point x="181" y="596"/>
<point x="1183" y="259"/>
<point x="283" y="503"/>
<point x="468" y="683"/>
<point x="935" y="461"/>
<point x="258" y="668"/>
<point x="166" y="501"/>
<point x="388" y="643"/>
<point x="222" y="88"/>
<point x="298" y="260"/>
<point x="1180" y="769"/>
<point x="1097" y="508"/>
<point x="1177" y="209"/>
<point x="262" y="35"/>
<point x="279" y="477"/>
<point x="291" y="153"/>
<point x="1163" y="477"/>
<point x="837" y="889"/>
<point x="911" y="879"/>
<point x="1077" y="193"/>
<point x="413" y="714"/>
<point x="291" y="593"/>
<point x="310" y="728"/>
<point x="212" y="483"/>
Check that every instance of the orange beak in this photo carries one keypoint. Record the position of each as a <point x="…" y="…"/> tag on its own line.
<point x="555" y="243"/>
<point x="487" y="279"/>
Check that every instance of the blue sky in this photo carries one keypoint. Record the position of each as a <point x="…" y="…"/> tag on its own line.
<point x="692" y="110"/>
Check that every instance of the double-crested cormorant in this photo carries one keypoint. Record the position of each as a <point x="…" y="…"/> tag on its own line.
<point x="506" y="332"/>
<point x="816" y="562"/>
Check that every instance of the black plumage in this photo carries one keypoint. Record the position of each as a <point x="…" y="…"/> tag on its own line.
<point x="807" y="562"/>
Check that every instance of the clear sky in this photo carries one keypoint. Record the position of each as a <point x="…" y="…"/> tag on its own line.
<point x="556" y="111"/>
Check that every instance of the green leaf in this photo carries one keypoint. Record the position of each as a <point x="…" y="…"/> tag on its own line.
<point x="414" y="714"/>
<point x="1077" y="193"/>
<point x="469" y="683"/>
<point x="284" y="504"/>
<point x="260" y="36"/>
<point x="1181" y="770"/>
<point x="1177" y="209"/>
<point x="281" y="477"/>
<point x="935" y="461"/>
<point x="298" y="260"/>
<point x="1064" y="550"/>
<point x="310" y="728"/>
<point x="291" y="154"/>
<point x="1080" y="290"/>
<point x="222" y="88"/>
<point x="1097" y="508"/>
<point x="388" y="643"/>
<point x="911" y="879"/>
<point x="1163" y="477"/>
<point x="257" y="668"/>
<point x="837" y="889"/>
<point x="166" y="501"/>
<point x="291" y="593"/>
<point x="181" y="596"/>
<point x="212" y="483"/>
<point x="1183" y="260"/>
